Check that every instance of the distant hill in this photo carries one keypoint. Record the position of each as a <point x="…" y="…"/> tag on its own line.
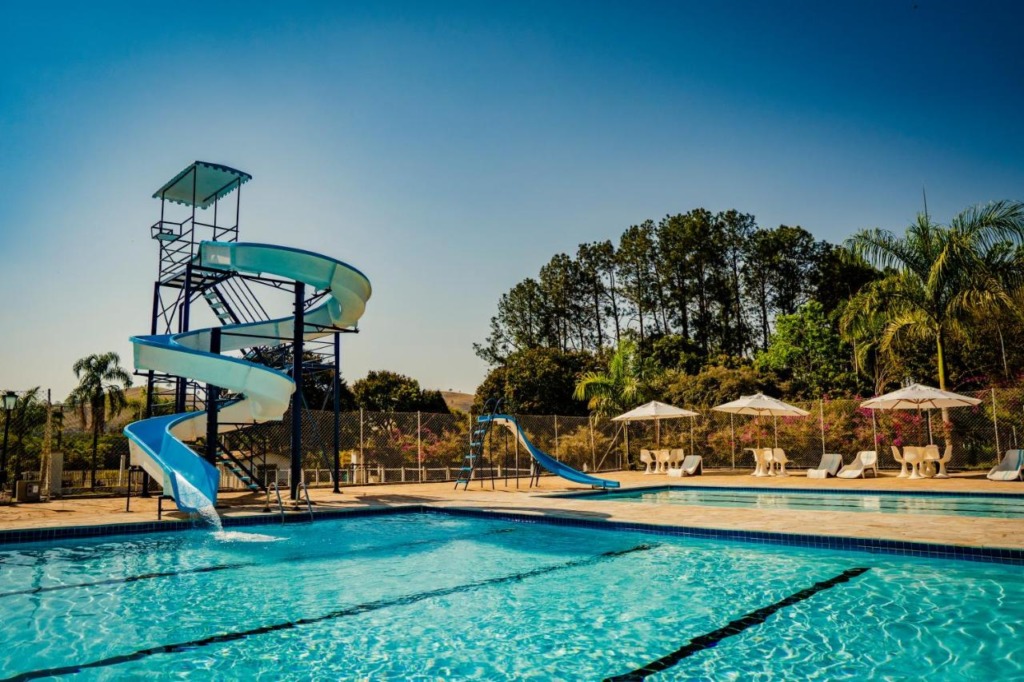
<point x="458" y="401"/>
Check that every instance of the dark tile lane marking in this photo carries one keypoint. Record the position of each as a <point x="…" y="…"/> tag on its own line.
<point x="698" y="644"/>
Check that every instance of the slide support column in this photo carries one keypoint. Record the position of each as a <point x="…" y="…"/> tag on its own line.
<point x="300" y="323"/>
<point x="337" y="411"/>
<point x="212" y="394"/>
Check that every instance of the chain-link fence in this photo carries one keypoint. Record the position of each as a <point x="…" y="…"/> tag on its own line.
<point x="389" y="447"/>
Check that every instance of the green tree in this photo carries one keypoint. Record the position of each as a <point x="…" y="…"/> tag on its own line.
<point x="638" y="281"/>
<point x="28" y="415"/>
<point x="99" y="396"/>
<point x="537" y="381"/>
<point x="523" y="321"/>
<point x="806" y="349"/>
<point x="385" y="391"/>
<point x="623" y="386"/>
<point x="938" y="274"/>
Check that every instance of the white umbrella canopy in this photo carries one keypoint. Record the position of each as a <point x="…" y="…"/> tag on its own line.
<point x="919" y="397"/>
<point x="657" y="411"/>
<point x="759" y="404"/>
<point x="654" y="410"/>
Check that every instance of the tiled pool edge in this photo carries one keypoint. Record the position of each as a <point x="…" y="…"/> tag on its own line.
<point x="999" y="555"/>
<point x="659" y="487"/>
<point x="871" y="545"/>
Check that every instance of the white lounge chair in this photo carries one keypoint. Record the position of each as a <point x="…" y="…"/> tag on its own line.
<point x="693" y="465"/>
<point x="864" y="461"/>
<point x="1010" y="468"/>
<point x="829" y="465"/>
<point x="779" y="461"/>
<point x="648" y="459"/>
<point x="902" y="462"/>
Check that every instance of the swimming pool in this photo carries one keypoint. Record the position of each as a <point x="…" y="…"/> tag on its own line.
<point x="990" y="506"/>
<point x="432" y="596"/>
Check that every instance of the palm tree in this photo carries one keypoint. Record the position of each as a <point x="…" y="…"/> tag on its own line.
<point x="936" y="275"/>
<point x="624" y="386"/>
<point x="99" y="394"/>
<point x="29" y="413"/>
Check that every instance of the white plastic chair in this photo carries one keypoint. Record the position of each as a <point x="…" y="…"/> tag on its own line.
<point x="762" y="461"/>
<point x="692" y="465"/>
<point x="902" y="462"/>
<point x="930" y="460"/>
<point x="648" y="459"/>
<point x="946" y="456"/>
<point x="864" y="461"/>
<point x="677" y="456"/>
<point x="1010" y="468"/>
<point x="779" y="461"/>
<point x="664" y="458"/>
<point x="829" y="465"/>
<point x="913" y="456"/>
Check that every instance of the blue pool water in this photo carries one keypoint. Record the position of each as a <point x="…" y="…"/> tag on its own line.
<point x="429" y="597"/>
<point x="1007" y="507"/>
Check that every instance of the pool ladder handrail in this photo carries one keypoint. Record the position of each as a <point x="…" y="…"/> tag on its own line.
<point x="280" y="503"/>
<point x="309" y="503"/>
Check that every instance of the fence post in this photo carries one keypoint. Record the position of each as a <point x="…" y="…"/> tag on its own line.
<point x="593" y="451"/>
<point x="995" y="422"/>
<point x="556" y="436"/>
<point x="419" y="444"/>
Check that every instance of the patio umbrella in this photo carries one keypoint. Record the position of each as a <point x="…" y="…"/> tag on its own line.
<point x="760" y="404"/>
<point x="919" y="397"/>
<point x="657" y="411"/>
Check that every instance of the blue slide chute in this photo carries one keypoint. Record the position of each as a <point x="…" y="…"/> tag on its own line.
<point x="546" y="460"/>
<point x="261" y="394"/>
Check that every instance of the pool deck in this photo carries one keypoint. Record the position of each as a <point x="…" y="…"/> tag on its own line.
<point x="544" y="501"/>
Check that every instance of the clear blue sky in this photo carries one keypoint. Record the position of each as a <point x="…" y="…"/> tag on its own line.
<point x="449" y="149"/>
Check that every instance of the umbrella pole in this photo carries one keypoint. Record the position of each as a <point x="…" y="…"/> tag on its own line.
<point x="930" y="441"/>
<point x="657" y="433"/>
<point x="626" y="432"/>
<point x="691" y="436"/>
<point x="732" y="439"/>
<point x="821" y="413"/>
<point x="775" y="418"/>
<point x="874" y="434"/>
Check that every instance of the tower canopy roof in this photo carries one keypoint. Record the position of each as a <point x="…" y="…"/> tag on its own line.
<point x="201" y="184"/>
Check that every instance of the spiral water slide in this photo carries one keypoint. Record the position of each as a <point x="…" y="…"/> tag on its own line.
<point x="261" y="394"/>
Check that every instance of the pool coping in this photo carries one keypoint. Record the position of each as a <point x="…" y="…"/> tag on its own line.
<point x="1000" y="555"/>
<point x="787" y="491"/>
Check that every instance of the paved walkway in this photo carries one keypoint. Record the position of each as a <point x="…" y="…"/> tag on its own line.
<point x="957" y="530"/>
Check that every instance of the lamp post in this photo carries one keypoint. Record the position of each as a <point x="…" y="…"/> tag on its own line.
<point x="10" y="400"/>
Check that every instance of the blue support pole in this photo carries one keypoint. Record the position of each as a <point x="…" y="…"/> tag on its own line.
<point x="337" y="411"/>
<point x="297" y="339"/>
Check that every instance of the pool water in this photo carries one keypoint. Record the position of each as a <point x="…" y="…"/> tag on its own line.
<point x="432" y="597"/>
<point x="992" y="506"/>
